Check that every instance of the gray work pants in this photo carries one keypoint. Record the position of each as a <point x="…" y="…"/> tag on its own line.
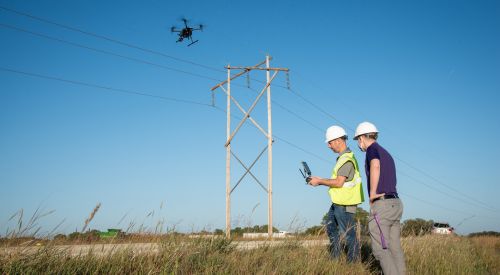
<point x="389" y="212"/>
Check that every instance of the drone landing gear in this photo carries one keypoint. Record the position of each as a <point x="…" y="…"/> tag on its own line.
<point x="192" y="43"/>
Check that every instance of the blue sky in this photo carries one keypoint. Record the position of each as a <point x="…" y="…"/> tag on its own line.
<point x="425" y="72"/>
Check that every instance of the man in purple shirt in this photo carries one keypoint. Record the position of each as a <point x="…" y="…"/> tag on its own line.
<point x="386" y="208"/>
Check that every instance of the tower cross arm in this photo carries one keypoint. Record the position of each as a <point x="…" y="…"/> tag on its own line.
<point x="238" y="74"/>
<point x="257" y="68"/>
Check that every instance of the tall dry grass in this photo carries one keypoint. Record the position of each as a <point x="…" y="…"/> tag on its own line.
<point x="437" y="254"/>
<point x="178" y="254"/>
<point x="181" y="255"/>
<point x="184" y="256"/>
<point x="91" y="216"/>
<point x="488" y="249"/>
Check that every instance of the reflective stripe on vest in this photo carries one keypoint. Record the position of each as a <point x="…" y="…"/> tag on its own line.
<point x="351" y="193"/>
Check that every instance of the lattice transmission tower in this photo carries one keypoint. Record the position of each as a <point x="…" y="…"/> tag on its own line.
<point x="268" y="133"/>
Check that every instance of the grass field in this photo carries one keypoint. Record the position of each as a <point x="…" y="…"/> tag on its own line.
<point x="177" y="255"/>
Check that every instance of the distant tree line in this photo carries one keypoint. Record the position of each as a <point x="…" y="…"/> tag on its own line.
<point x="485" y="233"/>
<point x="411" y="227"/>
<point x="315" y="230"/>
<point x="88" y="236"/>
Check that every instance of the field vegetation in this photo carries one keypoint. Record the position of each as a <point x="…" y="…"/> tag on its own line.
<point x="177" y="254"/>
<point x="209" y="252"/>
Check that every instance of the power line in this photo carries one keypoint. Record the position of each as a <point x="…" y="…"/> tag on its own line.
<point x="293" y="113"/>
<point x="320" y="109"/>
<point x="302" y="149"/>
<point x="447" y="186"/>
<point x="123" y="56"/>
<point x="472" y="199"/>
<point x="281" y="106"/>
<point x="110" y="53"/>
<point x="103" y="51"/>
<point x="325" y="160"/>
<point x="404" y="162"/>
<point x="317" y="107"/>
<point x="399" y="171"/>
<point x="434" y="204"/>
<point x="76" y="82"/>
<point x="446" y="208"/>
<point x="108" y="39"/>
<point x="282" y="139"/>
<point x="442" y="192"/>
<point x="144" y="62"/>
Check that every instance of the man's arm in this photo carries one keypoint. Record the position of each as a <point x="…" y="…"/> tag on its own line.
<point x="338" y="182"/>
<point x="374" y="178"/>
<point x="345" y="172"/>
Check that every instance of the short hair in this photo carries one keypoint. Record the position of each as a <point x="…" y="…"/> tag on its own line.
<point x="373" y="136"/>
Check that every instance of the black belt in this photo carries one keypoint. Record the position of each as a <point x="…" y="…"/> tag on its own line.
<point x="385" y="197"/>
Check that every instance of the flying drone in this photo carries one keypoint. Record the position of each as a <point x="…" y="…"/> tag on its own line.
<point x="186" y="32"/>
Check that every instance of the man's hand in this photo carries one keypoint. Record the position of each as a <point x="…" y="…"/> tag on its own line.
<point x="315" y="181"/>
<point x="335" y="183"/>
<point x="374" y="196"/>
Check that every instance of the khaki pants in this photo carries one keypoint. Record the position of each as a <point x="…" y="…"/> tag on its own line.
<point x="389" y="212"/>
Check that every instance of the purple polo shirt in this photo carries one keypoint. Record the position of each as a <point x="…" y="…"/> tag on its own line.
<point x="387" y="181"/>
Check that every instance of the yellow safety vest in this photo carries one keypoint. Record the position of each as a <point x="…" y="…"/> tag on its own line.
<point x="351" y="193"/>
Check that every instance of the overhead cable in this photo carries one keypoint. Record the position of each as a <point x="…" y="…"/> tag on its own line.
<point x="296" y="93"/>
<point x="108" y="38"/>
<point x="81" y="83"/>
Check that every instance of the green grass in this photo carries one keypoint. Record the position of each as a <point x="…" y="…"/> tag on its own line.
<point x="424" y="255"/>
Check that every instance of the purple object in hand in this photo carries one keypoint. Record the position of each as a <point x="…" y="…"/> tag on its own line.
<point x="382" y="239"/>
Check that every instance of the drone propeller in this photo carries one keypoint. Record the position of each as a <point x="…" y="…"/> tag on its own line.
<point x="185" y="20"/>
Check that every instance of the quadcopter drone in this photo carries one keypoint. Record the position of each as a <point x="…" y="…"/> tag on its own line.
<point x="186" y="32"/>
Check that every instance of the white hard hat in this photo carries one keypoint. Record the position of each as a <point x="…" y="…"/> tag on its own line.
<point x="365" y="128"/>
<point x="334" y="132"/>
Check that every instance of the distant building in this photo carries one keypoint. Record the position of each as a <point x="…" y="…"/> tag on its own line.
<point x="280" y="234"/>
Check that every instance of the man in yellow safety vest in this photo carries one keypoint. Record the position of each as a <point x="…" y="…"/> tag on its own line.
<point x="345" y="192"/>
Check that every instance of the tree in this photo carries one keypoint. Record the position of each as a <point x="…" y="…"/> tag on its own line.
<point x="91" y="235"/>
<point x="417" y="227"/>
<point x="74" y="236"/>
<point x="315" y="230"/>
<point x="60" y="237"/>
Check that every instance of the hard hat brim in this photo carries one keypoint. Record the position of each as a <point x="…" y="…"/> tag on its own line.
<point x="328" y="140"/>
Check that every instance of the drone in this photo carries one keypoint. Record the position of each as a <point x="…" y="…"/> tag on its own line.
<point x="186" y="32"/>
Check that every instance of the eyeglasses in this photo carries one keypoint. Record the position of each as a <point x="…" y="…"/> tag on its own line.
<point x="339" y="138"/>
